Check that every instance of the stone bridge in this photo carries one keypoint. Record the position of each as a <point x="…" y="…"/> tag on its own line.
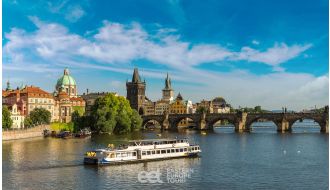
<point x="242" y="121"/>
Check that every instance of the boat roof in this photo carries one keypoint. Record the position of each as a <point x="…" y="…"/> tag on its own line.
<point x="154" y="140"/>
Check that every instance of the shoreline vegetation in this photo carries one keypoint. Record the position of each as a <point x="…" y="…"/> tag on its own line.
<point x="110" y="114"/>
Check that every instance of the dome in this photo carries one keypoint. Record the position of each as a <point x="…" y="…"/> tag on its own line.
<point x="65" y="80"/>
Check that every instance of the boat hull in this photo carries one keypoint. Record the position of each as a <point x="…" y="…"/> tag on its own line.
<point x="102" y="162"/>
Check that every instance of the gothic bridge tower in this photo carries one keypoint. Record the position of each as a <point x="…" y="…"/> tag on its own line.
<point x="136" y="92"/>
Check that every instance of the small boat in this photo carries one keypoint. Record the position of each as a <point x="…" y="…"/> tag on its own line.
<point x="64" y="134"/>
<point x="83" y="133"/>
<point x="142" y="150"/>
<point x="47" y="133"/>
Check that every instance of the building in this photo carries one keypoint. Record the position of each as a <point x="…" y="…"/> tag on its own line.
<point x="136" y="92"/>
<point x="220" y="105"/>
<point x="67" y="84"/>
<point x="66" y="98"/>
<point x="168" y="92"/>
<point x="16" y="116"/>
<point x="29" y="98"/>
<point x="179" y="106"/>
<point x="206" y="105"/>
<point x="149" y="107"/>
<point x="161" y="106"/>
<point x="90" y="99"/>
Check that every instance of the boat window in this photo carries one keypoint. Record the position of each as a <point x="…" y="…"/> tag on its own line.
<point x="176" y="150"/>
<point x="134" y="153"/>
<point x="163" y="151"/>
<point x="168" y="150"/>
<point x="172" y="150"/>
<point x="143" y="152"/>
<point x="123" y="155"/>
<point x="153" y="152"/>
<point x="148" y="152"/>
<point x="118" y="155"/>
<point x="181" y="150"/>
<point x="158" y="151"/>
<point x="185" y="149"/>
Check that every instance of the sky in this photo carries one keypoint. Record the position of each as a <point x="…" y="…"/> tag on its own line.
<point x="270" y="53"/>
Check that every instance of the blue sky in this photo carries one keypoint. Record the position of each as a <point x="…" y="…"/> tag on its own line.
<point x="268" y="53"/>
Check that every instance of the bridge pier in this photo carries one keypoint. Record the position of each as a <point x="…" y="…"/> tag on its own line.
<point x="240" y="125"/>
<point x="201" y="124"/>
<point x="283" y="126"/>
<point x="325" y="127"/>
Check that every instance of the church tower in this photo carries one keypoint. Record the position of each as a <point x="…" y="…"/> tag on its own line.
<point x="136" y="92"/>
<point x="168" y="91"/>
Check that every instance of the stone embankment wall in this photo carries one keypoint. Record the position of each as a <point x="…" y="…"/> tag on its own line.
<point x="24" y="133"/>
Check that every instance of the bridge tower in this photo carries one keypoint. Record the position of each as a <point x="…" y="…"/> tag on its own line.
<point x="136" y="92"/>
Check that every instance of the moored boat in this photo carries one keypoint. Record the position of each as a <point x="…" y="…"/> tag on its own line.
<point x="142" y="150"/>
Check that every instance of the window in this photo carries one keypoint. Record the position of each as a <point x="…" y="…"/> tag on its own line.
<point x="185" y="149"/>
<point x="153" y="152"/>
<point x="176" y="150"/>
<point x="148" y="152"/>
<point x="181" y="150"/>
<point x="143" y="152"/>
<point x="172" y="150"/>
<point x="158" y="151"/>
<point x="134" y="153"/>
<point x="168" y="151"/>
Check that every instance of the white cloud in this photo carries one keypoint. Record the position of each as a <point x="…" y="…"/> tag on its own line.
<point x="273" y="56"/>
<point x="74" y="13"/>
<point x="114" y="45"/>
<point x="255" y="42"/>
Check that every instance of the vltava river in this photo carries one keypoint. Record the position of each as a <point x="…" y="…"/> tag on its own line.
<point x="262" y="159"/>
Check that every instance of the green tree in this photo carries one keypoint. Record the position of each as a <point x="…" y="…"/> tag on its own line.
<point x="113" y="114"/>
<point x="136" y="123"/>
<point x="40" y="116"/>
<point x="6" y="120"/>
<point x="258" y="109"/>
<point x="201" y="109"/>
<point x="28" y="122"/>
<point x="76" y="119"/>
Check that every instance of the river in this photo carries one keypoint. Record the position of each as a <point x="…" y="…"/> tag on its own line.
<point x="261" y="159"/>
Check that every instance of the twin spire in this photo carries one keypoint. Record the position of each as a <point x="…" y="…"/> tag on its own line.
<point x="137" y="79"/>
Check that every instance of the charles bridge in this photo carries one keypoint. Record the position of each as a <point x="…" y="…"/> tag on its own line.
<point x="242" y="121"/>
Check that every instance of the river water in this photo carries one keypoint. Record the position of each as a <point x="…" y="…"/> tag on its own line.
<point x="262" y="159"/>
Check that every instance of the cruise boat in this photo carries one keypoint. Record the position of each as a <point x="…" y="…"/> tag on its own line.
<point x="142" y="150"/>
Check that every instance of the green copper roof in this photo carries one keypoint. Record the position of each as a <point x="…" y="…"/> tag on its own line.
<point x="65" y="80"/>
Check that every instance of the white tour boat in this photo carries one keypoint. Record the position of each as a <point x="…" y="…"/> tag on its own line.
<point x="142" y="150"/>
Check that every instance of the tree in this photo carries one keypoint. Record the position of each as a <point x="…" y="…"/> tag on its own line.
<point x="40" y="116"/>
<point x="136" y="121"/>
<point x="113" y="114"/>
<point x="76" y="119"/>
<point x="258" y="109"/>
<point x="6" y="120"/>
<point x="28" y="122"/>
<point x="201" y="109"/>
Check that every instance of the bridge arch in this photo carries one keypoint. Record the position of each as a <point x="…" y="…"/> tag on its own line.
<point x="250" y="121"/>
<point x="321" y="124"/>
<point x="145" y="122"/>
<point x="213" y="121"/>
<point x="176" y="121"/>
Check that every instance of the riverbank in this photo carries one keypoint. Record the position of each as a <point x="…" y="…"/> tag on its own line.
<point x="24" y="133"/>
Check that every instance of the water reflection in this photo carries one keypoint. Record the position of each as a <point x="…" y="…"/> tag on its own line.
<point x="261" y="159"/>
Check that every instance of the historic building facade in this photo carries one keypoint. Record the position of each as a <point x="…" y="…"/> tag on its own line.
<point x="136" y="92"/>
<point x="67" y="84"/>
<point x="66" y="98"/>
<point x="27" y="99"/>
